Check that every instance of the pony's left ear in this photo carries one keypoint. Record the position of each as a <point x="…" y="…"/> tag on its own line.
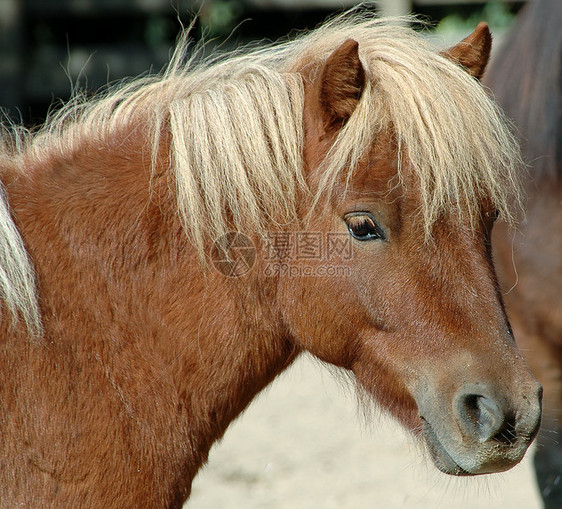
<point x="473" y="52"/>
<point x="341" y="83"/>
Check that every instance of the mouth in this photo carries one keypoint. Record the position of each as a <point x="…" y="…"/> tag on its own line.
<point x="441" y="458"/>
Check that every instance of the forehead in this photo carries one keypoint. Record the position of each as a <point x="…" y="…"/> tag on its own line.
<point x="376" y="177"/>
<point x="385" y="177"/>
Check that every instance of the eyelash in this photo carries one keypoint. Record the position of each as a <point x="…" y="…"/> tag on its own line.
<point x="362" y="226"/>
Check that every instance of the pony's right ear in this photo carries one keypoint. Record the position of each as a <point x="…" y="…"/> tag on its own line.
<point x="473" y="52"/>
<point x="341" y="83"/>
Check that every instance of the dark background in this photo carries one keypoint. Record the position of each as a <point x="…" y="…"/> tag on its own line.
<point x="51" y="48"/>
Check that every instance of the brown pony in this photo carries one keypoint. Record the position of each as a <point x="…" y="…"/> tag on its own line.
<point x="171" y="246"/>
<point x="526" y="78"/>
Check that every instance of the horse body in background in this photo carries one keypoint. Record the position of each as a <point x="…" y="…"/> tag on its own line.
<point x="526" y="78"/>
<point x="125" y="354"/>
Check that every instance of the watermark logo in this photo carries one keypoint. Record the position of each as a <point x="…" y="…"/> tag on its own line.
<point x="290" y="254"/>
<point x="295" y="246"/>
<point x="233" y="254"/>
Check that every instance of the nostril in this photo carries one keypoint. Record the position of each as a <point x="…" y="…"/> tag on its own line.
<point x="483" y="417"/>
<point x="506" y="435"/>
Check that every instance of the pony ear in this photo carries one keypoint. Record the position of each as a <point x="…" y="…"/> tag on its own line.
<point x="473" y="52"/>
<point x="341" y="83"/>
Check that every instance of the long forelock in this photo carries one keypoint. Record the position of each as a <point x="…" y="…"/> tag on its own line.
<point x="448" y="131"/>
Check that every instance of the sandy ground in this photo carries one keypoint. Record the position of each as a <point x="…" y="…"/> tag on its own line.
<point x="303" y="444"/>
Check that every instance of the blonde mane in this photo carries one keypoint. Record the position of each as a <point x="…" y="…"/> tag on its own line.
<point x="236" y="128"/>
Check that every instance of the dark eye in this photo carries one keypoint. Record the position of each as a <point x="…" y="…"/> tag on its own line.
<point x="362" y="226"/>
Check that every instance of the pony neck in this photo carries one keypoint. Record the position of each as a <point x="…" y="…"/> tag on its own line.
<point x="121" y="287"/>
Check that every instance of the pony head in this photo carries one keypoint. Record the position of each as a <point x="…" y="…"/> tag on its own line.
<point x="409" y="164"/>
